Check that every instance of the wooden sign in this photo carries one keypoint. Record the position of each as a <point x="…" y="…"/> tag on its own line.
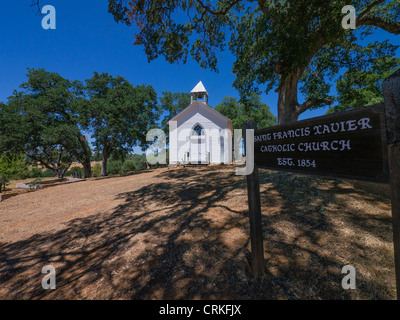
<point x="348" y="144"/>
<point x="359" y="144"/>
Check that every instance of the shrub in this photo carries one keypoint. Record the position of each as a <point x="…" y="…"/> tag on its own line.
<point x="76" y="172"/>
<point x="39" y="173"/>
<point x="36" y="173"/>
<point x="139" y="160"/>
<point x="138" y="164"/>
<point x="114" y="167"/>
<point x="128" y="166"/>
<point x="48" y="173"/>
<point x="20" y="175"/>
<point x="14" y="166"/>
<point x="96" y="169"/>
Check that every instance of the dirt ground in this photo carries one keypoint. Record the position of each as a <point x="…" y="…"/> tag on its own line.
<point x="183" y="233"/>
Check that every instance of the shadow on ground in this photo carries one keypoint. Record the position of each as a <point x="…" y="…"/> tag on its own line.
<point x="187" y="237"/>
<point x="315" y="226"/>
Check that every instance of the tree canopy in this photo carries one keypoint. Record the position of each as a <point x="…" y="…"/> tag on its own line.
<point x="238" y="112"/>
<point x="47" y="119"/>
<point x="357" y="88"/>
<point x="172" y="104"/>
<point x="289" y="45"/>
<point x="42" y="121"/>
<point x="120" y="114"/>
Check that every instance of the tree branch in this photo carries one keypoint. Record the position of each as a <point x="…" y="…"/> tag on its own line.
<point x="35" y="3"/>
<point x="40" y="161"/>
<point x="370" y="7"/>
<point x="379" y="22"/>
<point x="310" y="103"/>
<point x="218" y="13"/>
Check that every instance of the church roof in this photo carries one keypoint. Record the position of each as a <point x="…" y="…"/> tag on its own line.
<point x="199" y="88"/>
<point x="201" y="105"/>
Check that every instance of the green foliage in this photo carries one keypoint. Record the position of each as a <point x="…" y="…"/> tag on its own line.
<point x="128" y="166"/>
<point x="39" y="173"/>
<point x="76" y="171"/>
<point x="120" y="114"/>
<point x="48" y="173"/>
<point x="96" y="169"/>
<point x="139" y="160"/>
<point x="114" y="167"/>
<point x="301" y="44"/>
<point x="161" y="34"/>
<point x="277" y="44"/>
<point x="254" y="110"/>
<point x="36" y="173"/>
<point x="43" y="121"/>
<point x="362" y="87"/>
<point x="134" y="162"/>
<point x="95" y="157"/>
<point x="172" y="104"/>
<point x="14" y="166"/>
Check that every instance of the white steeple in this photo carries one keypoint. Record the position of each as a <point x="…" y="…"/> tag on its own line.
<point x="198" y="92"/>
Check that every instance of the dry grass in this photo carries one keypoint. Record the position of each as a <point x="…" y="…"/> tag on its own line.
<point x="313" y="227"/>
<point x="183" y="234"/>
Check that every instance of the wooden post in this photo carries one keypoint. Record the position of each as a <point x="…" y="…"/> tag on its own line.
<point x="256" y="235"/>
<point x="391" y="93"/>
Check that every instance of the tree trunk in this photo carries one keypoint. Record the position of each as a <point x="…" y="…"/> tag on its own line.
<point x="104" y="163"/>
<point x="287" y="100"/>
<point x="85" y="157"/>
<point x="87" y="169"/>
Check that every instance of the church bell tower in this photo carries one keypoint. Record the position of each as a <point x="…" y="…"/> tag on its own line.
<point x="199" y="92"/>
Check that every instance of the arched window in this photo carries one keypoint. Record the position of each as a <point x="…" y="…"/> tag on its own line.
<point x="197" y="130"/>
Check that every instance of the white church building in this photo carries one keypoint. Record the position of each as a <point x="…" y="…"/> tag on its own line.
<point x="199" y="134"/>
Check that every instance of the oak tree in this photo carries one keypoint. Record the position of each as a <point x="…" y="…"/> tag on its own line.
<point x="120" y="114"/>
<point x="238" y="112"/>
<point x="290" y="45"/>
<point x="363" y="86"/>
<point x="172" y="104"/>
<point x="43" y="120"/>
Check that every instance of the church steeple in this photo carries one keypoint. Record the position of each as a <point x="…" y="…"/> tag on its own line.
<point x="199" y="92"/>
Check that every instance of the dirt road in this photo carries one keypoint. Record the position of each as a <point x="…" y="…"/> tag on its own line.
<point x="183" y="234"/>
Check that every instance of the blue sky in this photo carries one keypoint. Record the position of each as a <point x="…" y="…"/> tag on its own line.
<point x="87" y="39"/>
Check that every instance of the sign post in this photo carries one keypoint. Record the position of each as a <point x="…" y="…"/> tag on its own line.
<point x="391" y="93"/>
<point x="256" y="235"/>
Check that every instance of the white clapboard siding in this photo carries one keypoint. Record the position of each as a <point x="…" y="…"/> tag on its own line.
<point x="216" y="142"/>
